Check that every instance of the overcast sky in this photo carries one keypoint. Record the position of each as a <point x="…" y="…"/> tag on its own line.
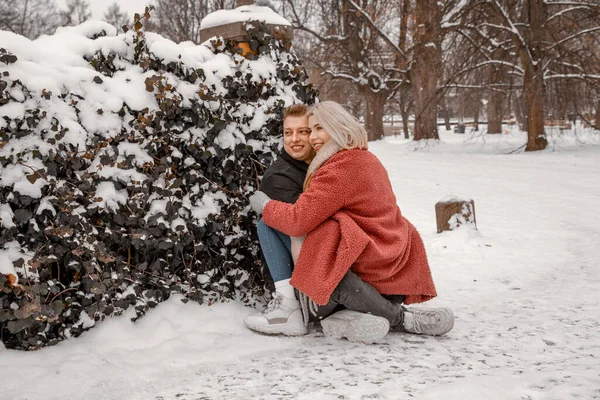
<point x="98" y="7"/>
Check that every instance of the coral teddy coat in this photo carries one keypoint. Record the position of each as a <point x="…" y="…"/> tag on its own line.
<point x="351" y="219"/>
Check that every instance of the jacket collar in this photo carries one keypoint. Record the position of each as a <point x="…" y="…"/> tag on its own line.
<point x="301" y="165"/>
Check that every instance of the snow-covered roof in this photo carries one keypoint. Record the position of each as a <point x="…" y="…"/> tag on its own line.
<point x="241" y="14"/>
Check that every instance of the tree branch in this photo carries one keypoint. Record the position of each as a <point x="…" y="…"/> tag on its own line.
<point x="513" y="29"/>
<point x="562" y="12"/>
<point x="376" y="28"/>
<point x="574" y="36"/>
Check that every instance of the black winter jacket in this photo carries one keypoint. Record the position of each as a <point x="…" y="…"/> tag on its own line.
<point x="284" y="179"/>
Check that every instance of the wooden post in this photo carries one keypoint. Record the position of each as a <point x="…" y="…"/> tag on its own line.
<point x="451" y="213"/>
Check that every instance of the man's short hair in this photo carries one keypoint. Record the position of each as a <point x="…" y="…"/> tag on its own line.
<point x="295" y="110"/>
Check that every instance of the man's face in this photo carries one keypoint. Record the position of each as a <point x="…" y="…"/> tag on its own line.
<point x="295" y="138"/>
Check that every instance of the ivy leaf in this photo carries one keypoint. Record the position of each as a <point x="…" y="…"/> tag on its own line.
<point x="32" y="178"/>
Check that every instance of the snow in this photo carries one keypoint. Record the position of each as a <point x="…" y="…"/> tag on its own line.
<point x="454" y="11"/>
<point x="524" y="289"/>
<point x="241" y="14"/>
<point x="88" y="29"/>
<point x="207" y="205"/>
<point x="86" y="103"/>
<point x="6" y="216"/>
<point x="453" y="198"/>
<point x="6" y="265"/>
<point x="85" y="321"/>
<point x="107" y="196"/>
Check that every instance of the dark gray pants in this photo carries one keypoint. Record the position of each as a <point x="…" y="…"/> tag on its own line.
<point x="354" y="294"/>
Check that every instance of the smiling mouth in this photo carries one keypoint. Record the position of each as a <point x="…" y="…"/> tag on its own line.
<point x="297" y="148"/>
<point x="317" y="146"/>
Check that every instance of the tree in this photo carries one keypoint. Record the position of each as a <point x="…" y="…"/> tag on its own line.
<point x="406" y="61"/>
<point x="30" y="18"/>
<point x="540" y="42"/>
<point x="179" y="20"/>
<point x="426" y="67"/>
<point x="346" y="46"/>
<point x="77" y="12"/>
<point x="115" y="16"/>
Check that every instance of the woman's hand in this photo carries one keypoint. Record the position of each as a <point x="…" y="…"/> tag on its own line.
<point x="258" y="201"/>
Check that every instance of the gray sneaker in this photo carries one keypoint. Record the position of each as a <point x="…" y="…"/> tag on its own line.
<point x="427" y="321"/>
<point x="355" y="326"/>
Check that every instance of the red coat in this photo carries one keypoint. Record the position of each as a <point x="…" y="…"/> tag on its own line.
<point x="351" y="219"/>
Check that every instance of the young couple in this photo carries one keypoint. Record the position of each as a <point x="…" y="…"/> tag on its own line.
<point x="331" y="229"/>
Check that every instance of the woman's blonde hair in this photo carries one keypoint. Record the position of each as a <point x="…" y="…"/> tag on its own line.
<point x="343" y="128"/>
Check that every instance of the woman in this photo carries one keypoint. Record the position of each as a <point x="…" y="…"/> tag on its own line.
<point x="358" y="245"/>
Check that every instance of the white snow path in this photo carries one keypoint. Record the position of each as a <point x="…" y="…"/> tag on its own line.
<point x="525" y="291"/>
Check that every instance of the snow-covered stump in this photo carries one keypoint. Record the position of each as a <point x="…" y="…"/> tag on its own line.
<point x="452" y="212"/>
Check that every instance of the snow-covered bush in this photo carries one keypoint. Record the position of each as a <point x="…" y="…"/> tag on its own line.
<point x="125" y="165"/>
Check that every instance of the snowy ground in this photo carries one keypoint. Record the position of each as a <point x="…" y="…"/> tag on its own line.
<point x="524" y="290"/>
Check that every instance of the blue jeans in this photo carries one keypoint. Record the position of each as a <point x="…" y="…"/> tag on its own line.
<point x="277" y="249"/>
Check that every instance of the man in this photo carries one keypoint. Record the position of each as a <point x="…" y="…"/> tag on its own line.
<point x="284" y="181"/>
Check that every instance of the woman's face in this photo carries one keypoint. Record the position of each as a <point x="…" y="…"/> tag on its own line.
<point x="318" y="135"/>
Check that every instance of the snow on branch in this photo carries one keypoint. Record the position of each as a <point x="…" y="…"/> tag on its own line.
<point x="467" y="86"/>
<point x="455" y="11"/>
<point x="574" y="66"/>
<point x="562" y="12"/>
<point x="342" y="75"/>
<point x="489" y="62"/>
<point x="572" y="76"/>
<point x="502" y="27"/>
<point x="571" y="3"/>
<point x="513" y="28"/>
<point x="574" y="36"/>
<point x="501" y="88"/>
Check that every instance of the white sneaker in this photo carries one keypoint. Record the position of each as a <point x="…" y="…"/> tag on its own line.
<point x="428" y="321"/>
<point x="282" y="315"/>
<point x="355" y="326"/>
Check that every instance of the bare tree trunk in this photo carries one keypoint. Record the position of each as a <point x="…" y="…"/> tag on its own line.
<point x="426" y="68"/>
<point x="534" y="77"/>
<point x="494" y="112"/>
<point x="405" y="116"/>
<point x="446" y="113"/>
<point x="496" y="76"/>
<point x="375" y="102"/>
<point x="598" y="115"/>
<point x="476" y="113"/>
<point x="534" y="92"/>
<point x="495" y="96"/>
<point x="460" y="108"/>
<point x="519" y="106"/>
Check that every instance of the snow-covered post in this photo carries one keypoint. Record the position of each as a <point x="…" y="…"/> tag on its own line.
<point x="232" y="25"/>
<point x="452" y="212"/>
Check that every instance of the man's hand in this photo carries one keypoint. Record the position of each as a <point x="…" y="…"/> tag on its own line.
<point x="258" y="201"/>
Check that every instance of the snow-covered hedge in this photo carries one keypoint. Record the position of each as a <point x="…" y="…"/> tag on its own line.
<point x="125" y="165"/>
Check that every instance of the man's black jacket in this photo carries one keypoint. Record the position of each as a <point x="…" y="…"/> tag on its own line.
<point x="284" y="179"/>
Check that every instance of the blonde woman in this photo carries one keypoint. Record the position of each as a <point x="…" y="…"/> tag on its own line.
<point x="359" y="253"/>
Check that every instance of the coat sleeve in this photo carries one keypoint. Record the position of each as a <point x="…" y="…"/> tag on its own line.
<point x="280" y="186"/>
<point x="327" y="193"/>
